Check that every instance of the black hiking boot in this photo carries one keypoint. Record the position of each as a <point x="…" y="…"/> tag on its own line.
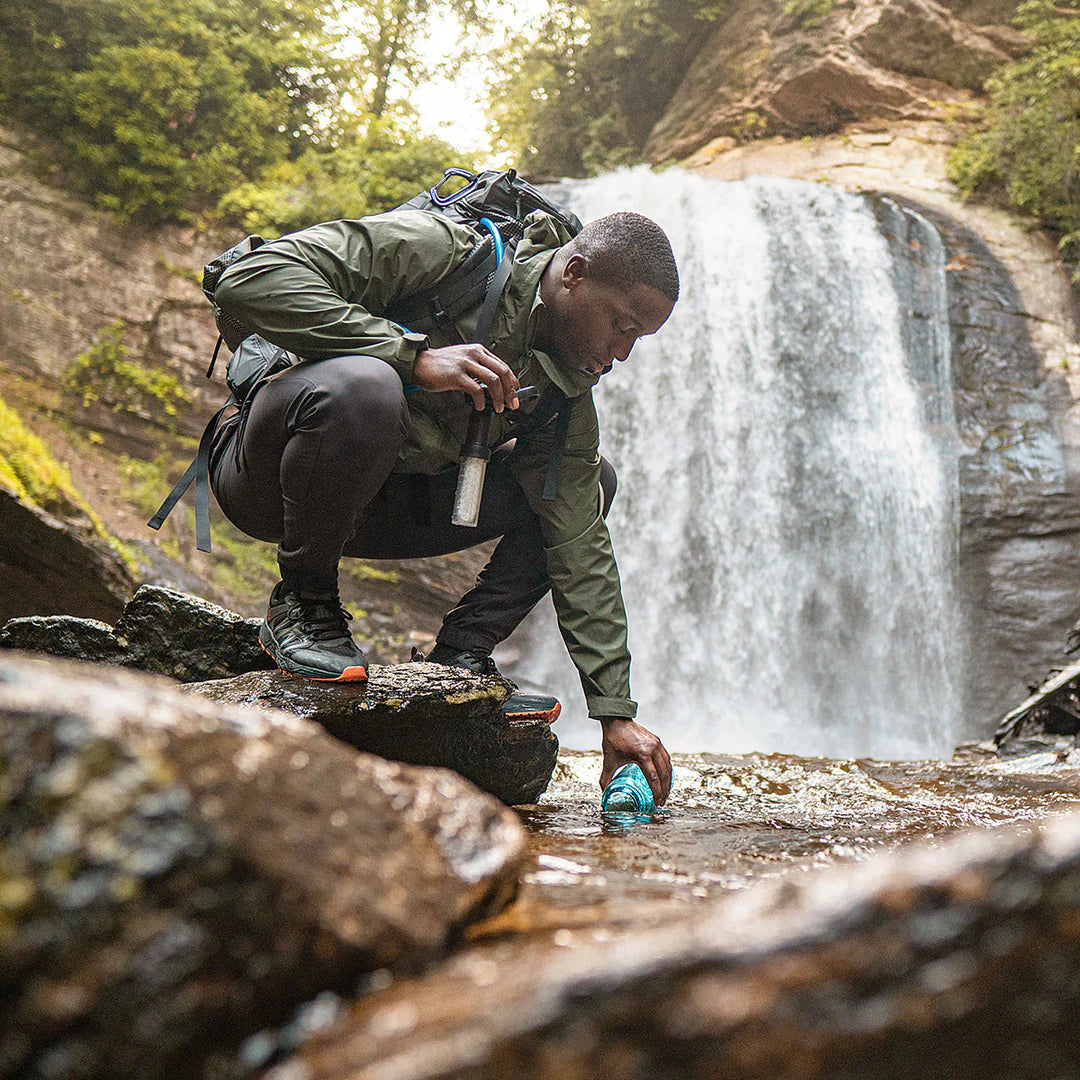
<point x="518" y="706"/>
<point x="307" y="634"/>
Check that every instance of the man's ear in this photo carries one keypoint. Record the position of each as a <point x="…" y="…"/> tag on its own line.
<point x="575" y="270"/>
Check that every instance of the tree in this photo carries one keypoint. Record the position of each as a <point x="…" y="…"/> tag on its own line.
<point x="155" y="108"/>
<point x="1028" y="151"/>
<point x="582" y="92"/>
<point x="392" y="29"/>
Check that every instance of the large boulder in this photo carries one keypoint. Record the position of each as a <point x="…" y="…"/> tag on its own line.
<point x="47" y="565"/>
<point x="175" y="874"/>
<point x="423" y="714"/>
<point x="767" y="71"/>
<point x="946" y="961"/>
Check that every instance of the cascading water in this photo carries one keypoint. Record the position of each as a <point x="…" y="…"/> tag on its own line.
<point x="787" y="510"/>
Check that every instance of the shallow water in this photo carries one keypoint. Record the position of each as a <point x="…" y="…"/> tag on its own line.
<point x="736" y="819"/>
<point x="732" y="821"/>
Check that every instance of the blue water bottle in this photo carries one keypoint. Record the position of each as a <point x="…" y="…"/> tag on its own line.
<point x="628" y="791"/>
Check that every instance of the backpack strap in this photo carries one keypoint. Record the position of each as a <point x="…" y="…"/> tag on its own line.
<point x="199" y="471"/>
<point x="459" y="291"/>
<point x="486" y="319"/>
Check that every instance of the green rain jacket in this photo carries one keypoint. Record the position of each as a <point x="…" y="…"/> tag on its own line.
<point x="320" y="293"/>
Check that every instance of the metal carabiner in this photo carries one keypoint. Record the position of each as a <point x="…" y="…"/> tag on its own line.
<point x="438" y="199"/>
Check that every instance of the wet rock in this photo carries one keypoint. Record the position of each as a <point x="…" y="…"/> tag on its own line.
<point x="947" y="961"/>
<point x="420" y="714"/>
<point x="423" y="714"/>
<point x="65" y="636"/>
<point x="49" y="566"/>
<point x="177" y="634"/>
<point x="160" y="630"/>
<point x="175" y="874"/>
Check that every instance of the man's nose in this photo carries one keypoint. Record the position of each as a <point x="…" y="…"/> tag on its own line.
<point x="623" y="349"/>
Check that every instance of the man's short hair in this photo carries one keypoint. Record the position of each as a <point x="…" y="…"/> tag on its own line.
<point x="628" y="249"/>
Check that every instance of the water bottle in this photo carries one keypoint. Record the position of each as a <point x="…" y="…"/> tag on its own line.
<point x="628" y="791"/>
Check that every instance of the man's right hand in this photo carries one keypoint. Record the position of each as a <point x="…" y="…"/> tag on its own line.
<point x="471" y="368"/>
<point x="624" y="742"/>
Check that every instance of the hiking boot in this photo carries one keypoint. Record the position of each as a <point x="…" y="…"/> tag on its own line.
<point x="307" y="634"/>
<point x="518" y="706"/>
<point x="471" y="659"/>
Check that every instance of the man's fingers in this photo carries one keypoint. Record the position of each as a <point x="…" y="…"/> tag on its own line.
<point x="653" y="777"/>
<point x="663" y="769"/>
<point x="500" y="380"/>
<point x="489" y="380"/>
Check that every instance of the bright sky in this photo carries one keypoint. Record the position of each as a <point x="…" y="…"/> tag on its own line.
<point x="453" y="109"/>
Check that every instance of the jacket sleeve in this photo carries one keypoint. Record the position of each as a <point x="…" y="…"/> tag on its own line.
<point x="320" y="292"/>
<point x="585" y="583"/>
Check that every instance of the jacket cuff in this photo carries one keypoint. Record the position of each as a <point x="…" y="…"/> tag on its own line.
<point x="404" y="354"/>
<point x="600" y="707"/>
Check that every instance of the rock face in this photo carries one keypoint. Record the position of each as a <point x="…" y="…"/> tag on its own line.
<point x="175" y="874"/>
<point x="46" y="564"/>
<point x="766" y="72"/>
<point x="949" y="962"/>
<point x="73" y="271"/>
<point x="423" y="714"/>
<point x="163" y="631"/>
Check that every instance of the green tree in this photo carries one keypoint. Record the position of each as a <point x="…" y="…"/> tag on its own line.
<point x="155" y="108"/>
<point x="1028" y="150"/>
<point x="392" y="29"/>
<point x="582" y="93"/>
<point x="376" y="170"/>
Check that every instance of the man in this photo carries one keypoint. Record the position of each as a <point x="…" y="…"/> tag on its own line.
<point x="354" y="452"/>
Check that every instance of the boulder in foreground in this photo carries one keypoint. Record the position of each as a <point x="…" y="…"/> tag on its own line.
<point x="175" y="874"/>
<point x="421" y="714"/>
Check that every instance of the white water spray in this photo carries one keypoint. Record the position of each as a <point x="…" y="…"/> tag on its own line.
<point x="787" y="510"/>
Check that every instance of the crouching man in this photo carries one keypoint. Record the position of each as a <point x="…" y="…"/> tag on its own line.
<point x="354" y="450"/>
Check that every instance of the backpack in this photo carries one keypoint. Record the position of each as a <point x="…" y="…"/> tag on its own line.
<point x="496" y="201"/>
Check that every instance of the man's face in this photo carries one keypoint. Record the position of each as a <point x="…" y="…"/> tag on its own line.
<point x="591" y="324"/>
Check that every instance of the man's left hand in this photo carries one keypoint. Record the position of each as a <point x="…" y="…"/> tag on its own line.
<point x="625" y="742"/>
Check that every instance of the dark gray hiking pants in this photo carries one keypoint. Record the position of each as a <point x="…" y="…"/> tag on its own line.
<point x="310" y="471"/>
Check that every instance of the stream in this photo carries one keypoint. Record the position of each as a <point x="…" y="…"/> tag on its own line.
<point x="598" y="886"/>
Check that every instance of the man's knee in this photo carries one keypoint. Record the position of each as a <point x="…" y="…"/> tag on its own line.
<point x="608" y="483"/>
<point x="363" y="393"/>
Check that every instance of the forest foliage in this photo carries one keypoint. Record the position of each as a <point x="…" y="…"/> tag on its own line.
<point x="1027" y="151"/>
<point x="581" y="92"/>
<point x="161" y="110"/>
<point x="270" y="114"/>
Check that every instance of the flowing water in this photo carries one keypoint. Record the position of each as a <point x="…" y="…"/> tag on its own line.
<point x="596" y="887"/>
<point x="787" y="511"/>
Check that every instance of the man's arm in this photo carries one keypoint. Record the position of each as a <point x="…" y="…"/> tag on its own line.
<point x="586" y="589"/>
<point x="319" y="292"/>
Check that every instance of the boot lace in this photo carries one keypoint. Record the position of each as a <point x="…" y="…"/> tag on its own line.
<point x="322" y="617"/>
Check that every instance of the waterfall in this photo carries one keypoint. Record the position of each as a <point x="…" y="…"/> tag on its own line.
<point x="786" y="519"/>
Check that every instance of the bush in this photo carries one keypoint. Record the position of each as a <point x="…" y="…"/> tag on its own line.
<point x="376" y="171"/>
<point x="104" y="373"/>
<point x="1028" y="151"/>
<point x="155" y="108"/>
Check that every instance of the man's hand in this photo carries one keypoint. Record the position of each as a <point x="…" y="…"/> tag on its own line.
<point x="471" y="368"/>
<point x="625" y="742"/>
